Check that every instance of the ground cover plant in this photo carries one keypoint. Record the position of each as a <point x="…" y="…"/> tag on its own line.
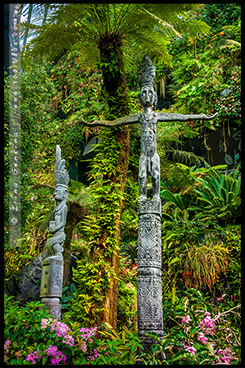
<point x="201" y="204"/>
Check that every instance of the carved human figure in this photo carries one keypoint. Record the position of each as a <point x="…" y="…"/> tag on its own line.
<point x="149" y="159"/>
<point x="149" y="162"/>
<point x="56" y="227"/>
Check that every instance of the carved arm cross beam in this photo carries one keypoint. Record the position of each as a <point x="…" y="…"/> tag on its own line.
<point x="134" y="119"/>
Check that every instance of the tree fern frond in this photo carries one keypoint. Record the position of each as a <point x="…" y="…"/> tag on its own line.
<point x="192" y="28"/>
<point x="188" y="158"/>
<point x="161" y="22"/>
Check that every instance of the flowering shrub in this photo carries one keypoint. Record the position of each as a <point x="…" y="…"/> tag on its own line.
<point x="195" y="333"/>
<point x="228" y="104"/>
<point x="202" y="336"/>
<point x="88" y="352"/>
<point x="32" y="336"/>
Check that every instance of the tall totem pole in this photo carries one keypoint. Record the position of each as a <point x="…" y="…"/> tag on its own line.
<point x="52" y="270"/>
<point x="149" y="285"/>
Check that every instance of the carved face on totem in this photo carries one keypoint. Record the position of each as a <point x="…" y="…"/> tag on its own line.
<point x="147" y="96"/>
<point x="60" y="193"/>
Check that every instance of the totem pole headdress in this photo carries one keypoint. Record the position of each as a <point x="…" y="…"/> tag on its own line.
<point x="61" y="174"/>
<point x="146" y="72"/>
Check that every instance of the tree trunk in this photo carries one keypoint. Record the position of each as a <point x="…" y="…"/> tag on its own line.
<point x="76" y="213"/>
<point x="117" y="99"/>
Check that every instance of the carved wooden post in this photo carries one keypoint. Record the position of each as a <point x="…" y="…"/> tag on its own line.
<point x="149" y="283"/>
<point x="52" y="270"/>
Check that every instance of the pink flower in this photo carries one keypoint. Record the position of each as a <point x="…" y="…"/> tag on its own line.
<point x="52" y="350"/>
<point x="191" y="350"/>
<point x="69" y="340"/>
<point x="83" y="347"/>
<point x="202" y="338"/>
<point x="32" y="199"/>
<point x="7" y="345"/>
<point x="32" y="357"/>
<point x="87" y="333"/>
<point x="186" y="319"/>
<point x="61" y="328"/>
<point x="208" y="325"/>
<point x="45" y="323"/>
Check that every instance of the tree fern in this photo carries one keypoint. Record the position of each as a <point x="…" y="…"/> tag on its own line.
<point x="144" y="26"/>
<point x="77" y="193"/>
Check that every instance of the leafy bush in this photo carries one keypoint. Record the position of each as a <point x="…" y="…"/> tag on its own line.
<point x="218" y="197"/>
<point x="127" y="293"/>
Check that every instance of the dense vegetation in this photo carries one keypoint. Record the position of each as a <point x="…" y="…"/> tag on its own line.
<point x="201" y="205"/>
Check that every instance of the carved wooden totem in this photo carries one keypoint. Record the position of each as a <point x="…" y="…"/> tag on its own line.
<point x="52" y="266"/>
<point x="149" y="284"/>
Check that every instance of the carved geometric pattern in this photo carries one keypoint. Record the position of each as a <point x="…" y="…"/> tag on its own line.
<point x="150" y="207"/>
<point x="149" y="241"/>
<point x="149" y="300"/>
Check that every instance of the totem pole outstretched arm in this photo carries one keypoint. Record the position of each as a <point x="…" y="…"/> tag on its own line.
<point x="162" y="116"/>
<point x="128" y="119"/>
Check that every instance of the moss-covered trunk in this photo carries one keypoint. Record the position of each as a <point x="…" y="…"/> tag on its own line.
<point x="76" y="213"/>
<point x="115" y="145"/>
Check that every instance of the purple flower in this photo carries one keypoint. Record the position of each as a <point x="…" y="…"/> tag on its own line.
<point x="7" y="345"/>
<point x="69" y="340"/>
<point x="60" y="327"/>
<point x="94" y="354"/>
<point x="52" y="350"/>
<point x="87" y="333"/>
<point x="32" y="357"/>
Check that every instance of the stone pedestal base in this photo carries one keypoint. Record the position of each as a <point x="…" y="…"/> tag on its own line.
<point x="149" y="283"/>
<point x="51" y="285"/>
<point x="53" y="305"/>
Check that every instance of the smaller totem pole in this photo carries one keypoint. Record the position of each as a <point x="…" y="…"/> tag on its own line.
<point x="52" y="270"/>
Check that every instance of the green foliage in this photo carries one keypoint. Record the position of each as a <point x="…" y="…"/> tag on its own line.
<point x="127" y="299"/>
<point x="218" y="196"/>
<point x="92" y="279"/>
<point x="77" y="193"/>
<point x="120" y="348"/>
<point x="196" y="249"/>
<point x="228" y="106"/>
<point x="210" y="14"/>
<point x="146" y="27"/>
<point x="180" y="201"/>
<point x="199" y="77"/>
<point x="67" y="295"/>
